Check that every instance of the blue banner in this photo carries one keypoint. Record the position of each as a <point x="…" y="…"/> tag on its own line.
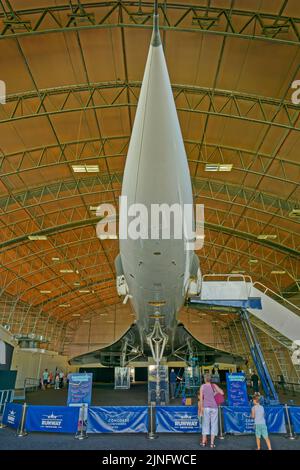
<point x="295" y="418"/>
<point x="117" y="419"/>
<point x="52" y="419"/>
<point x="238" y="419"/>
<point x="177" y="419"/>
<point x="80" y="389"/>
<point x="12" y="414"/>
<point x="237" y="389"/>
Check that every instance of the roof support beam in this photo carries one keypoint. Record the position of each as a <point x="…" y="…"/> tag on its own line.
<point x="93" y="221"/>
<point x="76" y="151"/>
<point x="177" y="17"/>
<point x="230" y="104"/>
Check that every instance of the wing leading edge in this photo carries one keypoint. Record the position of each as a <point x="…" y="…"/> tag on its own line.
<point x="128" y="349"/>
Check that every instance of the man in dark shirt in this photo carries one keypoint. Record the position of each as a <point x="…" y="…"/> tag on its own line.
<point x="173" y="378"/>
<point x="255" y="380"/>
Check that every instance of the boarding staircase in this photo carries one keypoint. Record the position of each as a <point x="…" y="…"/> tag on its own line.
<point x="277" y="317"/>
<point x="275" y="320"/>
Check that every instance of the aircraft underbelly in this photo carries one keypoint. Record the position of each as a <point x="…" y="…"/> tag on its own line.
<point x="155" y="274"/>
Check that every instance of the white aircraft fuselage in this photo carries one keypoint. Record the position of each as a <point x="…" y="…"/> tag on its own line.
<point x="157" y="271"/>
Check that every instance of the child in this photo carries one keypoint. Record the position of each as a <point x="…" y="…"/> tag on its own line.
<point x="258" y="414"/>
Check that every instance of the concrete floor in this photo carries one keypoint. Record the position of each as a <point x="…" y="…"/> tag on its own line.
<point x="106" y="395"/>
<point x="125" y="442"/>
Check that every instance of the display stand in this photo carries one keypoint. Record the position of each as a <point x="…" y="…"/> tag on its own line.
<point x="158" y="379"/>
<point x="122" y="378"/>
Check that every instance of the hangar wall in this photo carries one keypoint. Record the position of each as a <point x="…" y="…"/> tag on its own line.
<point x="31" y="363"/>
<point x="100" y="331"/>
<point x="25" y="319"/>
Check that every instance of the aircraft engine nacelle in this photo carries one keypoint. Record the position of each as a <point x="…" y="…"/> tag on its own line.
<point x="194" y="286"/>
<point x="122" y="286"/>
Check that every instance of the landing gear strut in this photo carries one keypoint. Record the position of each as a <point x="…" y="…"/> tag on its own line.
<point x="157" y="341"/>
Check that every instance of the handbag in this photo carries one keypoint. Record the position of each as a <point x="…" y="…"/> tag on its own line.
<point x="219" y="398"/>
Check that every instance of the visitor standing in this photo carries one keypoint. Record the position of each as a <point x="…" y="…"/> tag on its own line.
<point x="261" y="430"/>
<point x="61" y="379"/>
<point x="56" y="383"/>
<point x="173" y="377"/>
<point x="208" y="409"/>
<point x="255" y="382"/>
<point x="45" y="379"/>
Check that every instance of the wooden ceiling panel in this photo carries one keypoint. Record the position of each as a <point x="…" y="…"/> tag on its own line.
<point x="90" y="68"/>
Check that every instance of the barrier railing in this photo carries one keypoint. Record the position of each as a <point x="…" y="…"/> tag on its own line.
<point x="151" y="420"/>
<point x="109" y="419"/>
<point x="31" y="384"/>
<point x="284" y="386"/>
<point x="6" y="396"/>
<point x="279" y="298"/>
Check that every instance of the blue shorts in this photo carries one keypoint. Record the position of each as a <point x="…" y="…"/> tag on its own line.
<point x="261" y="430"/>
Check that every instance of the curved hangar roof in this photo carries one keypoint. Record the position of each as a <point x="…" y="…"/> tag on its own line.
<point x="73" y="76"/>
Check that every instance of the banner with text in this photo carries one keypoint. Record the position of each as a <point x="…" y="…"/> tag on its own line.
<point x="237" y="389"/>
<point x="12" y="415"/>
<point x="295" y="418"/>
<point x="52" y="419"/>
<point x="80" y="389"/>
<point x="177" y="419"/>
<point x="238" y="419"/>
<point x="117" y="419"/>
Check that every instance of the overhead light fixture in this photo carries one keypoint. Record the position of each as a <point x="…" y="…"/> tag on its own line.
<point x="238" y="272"/>
<point x="85" y="168"/>
<point x="225" y="167"/>
<point x="76" y="283"/>
<point x="64" y="305"/>
<point x="295" y="213"/>
<point x="210" y="167"/>
<point x="84" y="291"/>
<point x="86" y="321"/>
<point x="253" y="261"/>
<point x="55" y="259"/>
<point x="218" y="166"/>
<point x="37" y="237"/>
<point x="93" y="208"/>
<point x="110" y="321"/>
<point x="103" y="314"/>
<point x="66" y="271"/>
<point x="75" y="314"/>
<point x="266" y="237"/>
<point x="45" y="291"/>
<point x="278" y="272"/>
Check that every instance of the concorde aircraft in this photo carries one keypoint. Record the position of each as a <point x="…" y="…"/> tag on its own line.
<point x="156" y="275"/>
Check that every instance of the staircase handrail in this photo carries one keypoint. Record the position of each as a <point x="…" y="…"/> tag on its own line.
<point x="267" y="289"/>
